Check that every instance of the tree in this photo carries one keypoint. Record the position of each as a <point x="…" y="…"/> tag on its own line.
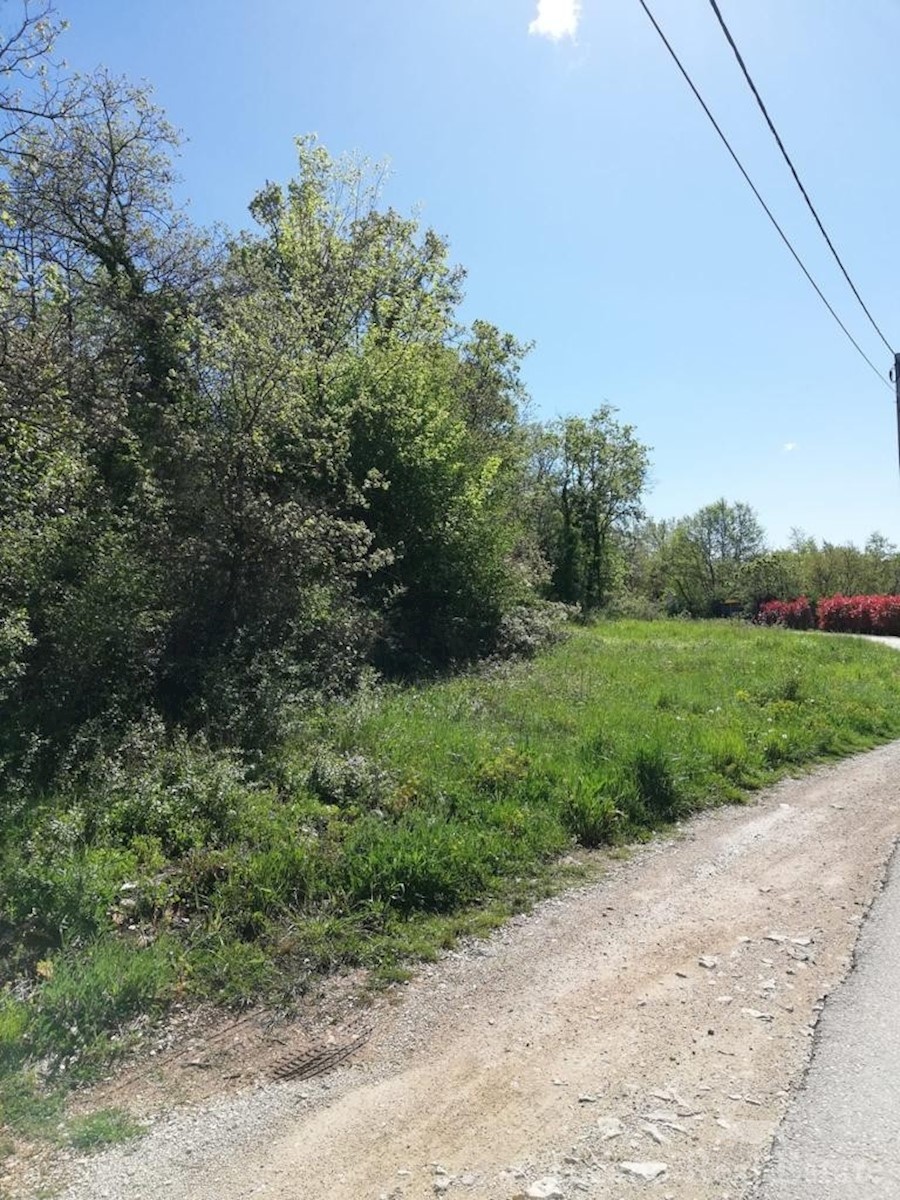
<point x="97" y="390"/>
<point x="235" y="470"/>
<point x="421" y="420"/>
<point x="596" y="471"/>
<point x="30" y="85"/>
<point x="704" y="556"/>
<point x="825" y="569"/>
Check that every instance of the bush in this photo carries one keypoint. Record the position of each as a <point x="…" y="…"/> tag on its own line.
<point x="633" y="606"/>
<point x="792" y="614"/>
<point x="349" y="780"/>
<point x="180" y="793"/>
<point x="860" y="614"/>
<point x="528" y="628"/>
<point x="835" y="614"/>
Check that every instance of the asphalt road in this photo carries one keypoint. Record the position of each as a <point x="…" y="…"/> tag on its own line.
<point x="841" y="1137"/>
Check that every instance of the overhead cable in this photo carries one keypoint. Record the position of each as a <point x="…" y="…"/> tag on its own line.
<point x="784" y="237"/>
<point x="793" y="170"/>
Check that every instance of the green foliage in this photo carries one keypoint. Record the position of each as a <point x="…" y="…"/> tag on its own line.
<point x="590" y="813"/>
<point x="27" y="1108"/>
<point x="825" y="569"/>
<point x="655" y="785"/>
<point x="97" y="988"/>
<point x="700" y="564"/>
<point x="14" y="1019"/>
<point x="105" y="1127"/>
<point x="233" y="971"/>
<point x="716" y="562"/>
<point x="400" y="818"/>
<point x="528" y="628"/>
<point x="239" y="474"/>
<point x="589" y="476"/>
<point x="287" y="462"/>
<point x="349" y="780"/>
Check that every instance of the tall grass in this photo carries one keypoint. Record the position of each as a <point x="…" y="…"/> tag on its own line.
<point x="389" y="825"/>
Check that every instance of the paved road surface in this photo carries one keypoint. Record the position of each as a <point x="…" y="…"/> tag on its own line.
<point x="841" y="1138"/>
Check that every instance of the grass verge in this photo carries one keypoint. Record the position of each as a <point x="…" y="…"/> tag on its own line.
<point x="385" y="828"/>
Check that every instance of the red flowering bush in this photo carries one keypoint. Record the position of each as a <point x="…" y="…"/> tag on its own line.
<point x="792" y="614"/>
<point x="860" y="614"/>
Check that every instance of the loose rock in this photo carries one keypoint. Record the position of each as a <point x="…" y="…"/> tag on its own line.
<point x="544" y="1189"/>
<point x="757" y="1015"/>
<point x="648" y="1171"/>
<point x="654" y="1134"/>
<point x="610" y="1127"/>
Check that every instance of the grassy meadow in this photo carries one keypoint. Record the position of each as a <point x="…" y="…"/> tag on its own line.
<point x="386" y="827"/>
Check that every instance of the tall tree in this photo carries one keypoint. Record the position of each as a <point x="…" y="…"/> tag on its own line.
<point x="705" y="555"/>
<point x="597" y="472"/>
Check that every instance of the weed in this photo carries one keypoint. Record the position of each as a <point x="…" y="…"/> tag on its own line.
<point x="14" y="1018"/>
<point x="591" y="817"/>
<point x="503" y="772"/>
<point x="349" y="779"/>
<point x="390" y="973"/>
<point x="655" y="783"/>
<point x="107" y="1127"/>
<point x="233" y="971"/>
<point x="27" y="1108"/>
<point x="386" y="828"/>
<point x="727" y="752"/>
<point x="92" y="991"/>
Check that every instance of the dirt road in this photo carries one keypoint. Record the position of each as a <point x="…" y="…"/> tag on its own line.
<point x="640" y="1035"/>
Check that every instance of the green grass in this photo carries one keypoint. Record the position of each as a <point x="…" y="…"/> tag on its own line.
<point x="106" y="1127"/>
<point x="388" y="827"/>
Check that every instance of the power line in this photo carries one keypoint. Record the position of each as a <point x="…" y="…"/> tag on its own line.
<point x="793" y="169"/>
<point x="740" y="166"/>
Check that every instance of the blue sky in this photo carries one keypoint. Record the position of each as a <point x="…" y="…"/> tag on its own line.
<point x="595" y="210"/>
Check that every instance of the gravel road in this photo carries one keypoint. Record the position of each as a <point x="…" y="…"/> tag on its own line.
<point x="642" y="1035"/>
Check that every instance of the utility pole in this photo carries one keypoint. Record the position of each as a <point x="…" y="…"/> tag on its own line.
<point x="897" y="392"/>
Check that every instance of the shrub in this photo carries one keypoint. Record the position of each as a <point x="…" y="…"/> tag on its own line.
<point x="528" y="628"/>
<point x="181" y="793"/>
<point x="860" y="614"/>
<point x="835" y="614"/>
<point x="349" y="780"/>
<point x="792" y="614"/>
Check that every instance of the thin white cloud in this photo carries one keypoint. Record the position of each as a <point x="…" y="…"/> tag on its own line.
<point x="556" y="19"/>
<point x="789" y="446"/>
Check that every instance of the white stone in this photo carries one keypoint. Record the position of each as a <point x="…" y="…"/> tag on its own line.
<point x="654" y="1134"/>
<point x="756" y="1014"/>
<point x="610" y="1127"/>
<point x="648" y="1171"/>
<point x="544" y="1189"/>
